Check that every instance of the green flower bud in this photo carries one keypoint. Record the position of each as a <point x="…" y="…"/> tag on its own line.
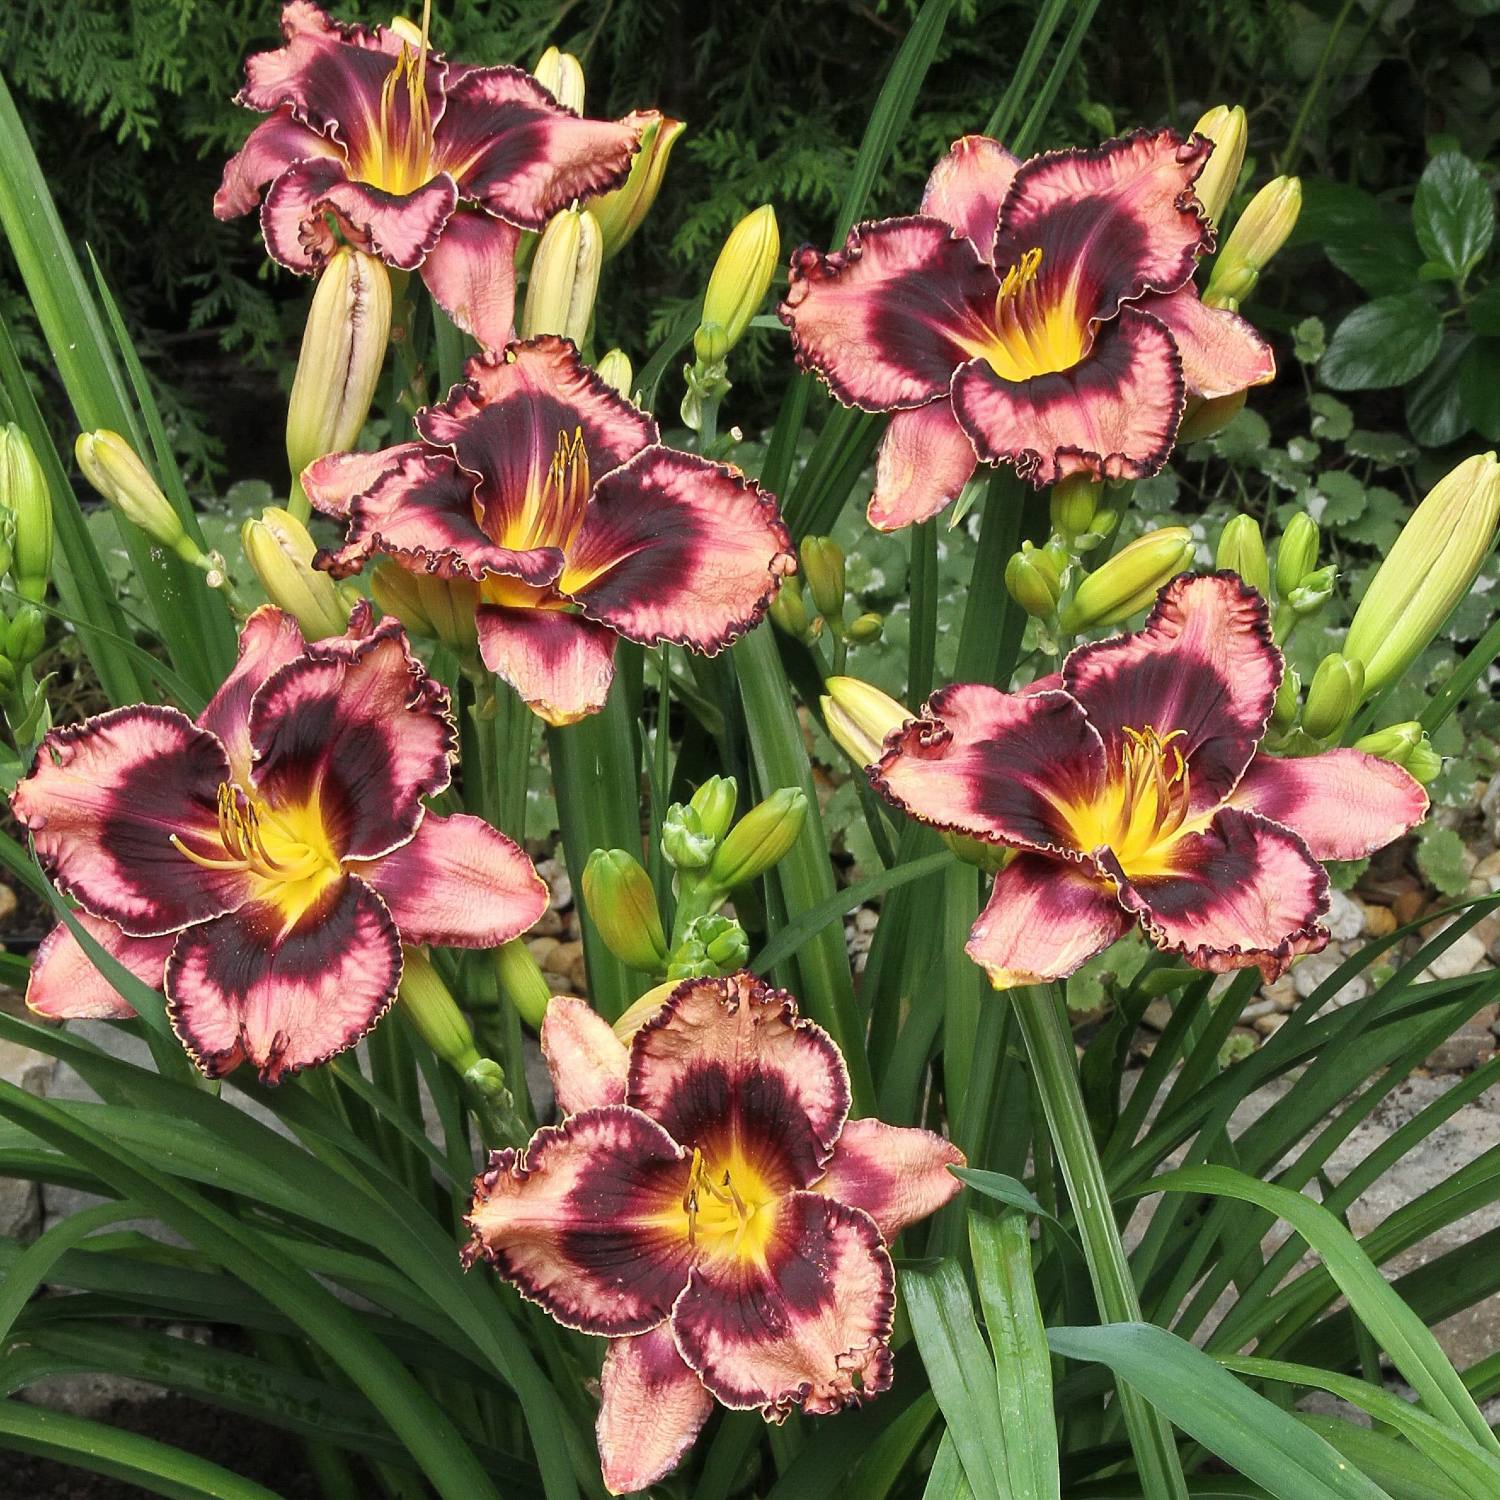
<point x="1226" y="128"/>
<point x="1424" y="763"/>
<point x="1034" y="581"/>
<point x="434" y="1013"/>
<point x="622" y="212"/>
<point x="281" y="550"/>
<point x="1242" y="550"/>
<point x="711" y="946"/>
<point x="859" y="717"/>
<point x="1297" y="553"/>
<point x="27" y="501"/>
<point x="983" y="855"/>
<point x="622" y="902"/>
<point x="25" y="635"/>
<point x="1130" y="580"/>
<point x="1262" y="230"/>
<point x="742" y="274"/>
<point x="521" y="981"/>
<point x="111" y="465"/>
<point x="564" y="277"/>
<point x="683" y="839"/>
<point x="616" y="371"/>
<point x="8" y="677"/>
<point x="1284" y="710"/>
<point x="1429" y="569"/>
<point x="1334" y="694"/>
<point x="1073" y="504"/>
<point x="789" y="610"/>
<point x="561" y="74"/>
<point x="714" y="803"/>
<point x="762" y="837"/>
<point x="865" y="628"/>
<point x="1394" y="743"/>
<point x="440" y="609"/>
<point x="823" y="572"/>
<point x="711" y="344"/>
<point x="1315" y="590"/>
<point x="1203" y="417"/>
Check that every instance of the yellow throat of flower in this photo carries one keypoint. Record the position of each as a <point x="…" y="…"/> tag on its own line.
<point x="398" y="158"/>
<point x="1032" y="336"/>
<point x="728" y="1211"/>
<point x="550" y="516"/>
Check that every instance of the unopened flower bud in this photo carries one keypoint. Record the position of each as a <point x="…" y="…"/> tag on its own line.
<point x="561" y="74"/>
<point x="1130" y="580"/>
<point x="1315" y="590"/>
<point x="1288" y="696"/>
<point x="1428" y="570"/>
<point x="564" y="277"/>
<point x="25" y="635"/>
<point x="434" y="1013"/>
<point x="1073" y="503"/>
<point x="622" y="902"/>
<point x="762" y="837"/>
<point x="280" y="549"/>
<point x="865" y="628"/>
<point x="742" y="274"/>
<point x="684" y="840"/>
<point x="522" y="981"/>
<point x="714" y="803"/>
<point x="981" y="853"/>
<point x="1262" y="230"/>
<point x="859" y="717"/>
<point x="823" y="572"/>
<point x="1034" y="580"/>
<point x="712" y="945"/>
<point x="1405" y="745"/>
<point x="788" y="609"/>
<point x="635" y="1015"/>
<point x="1242" y="550"/>
<point x="1225" y="127"/>
<point x="710" y="343"/>
<point x="616" y="371"/>
<point x="1424" y="764"/>
<point x="111" y="465"/>
<point x="1296" y="554"/>
<point x="28" y="502"/>
<point x="621" y="212"/>
<point x="438" y="608"/>
<point x="1204" y="418"/>
<point x="1334" y="694"/>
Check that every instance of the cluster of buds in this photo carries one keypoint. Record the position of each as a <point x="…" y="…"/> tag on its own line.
<point x="1406" y="745"/>
<point x="26" y="555"/>
<point x="712" y="855"/>
<point x="437" y="609"/>
<point x="820" y="583"/>
<point x="1121" y="586"/>
<point x="1302" y="587"/>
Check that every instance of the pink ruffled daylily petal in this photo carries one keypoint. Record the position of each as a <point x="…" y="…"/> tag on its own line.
<point x="64" y="985"/>
<point x="336" y="480"/>
<point x="588" y="1062"/>
<point x="269" y="639"/>
<point x="924" y="461"/>
<point x="1221" y="352"/>
<point x="967" y="187"/>
<point x="560" y="664"/>
<point x="653" y="1408"/>
<point x="273" y="146"/>
<point x="1343" y="803"/>
<point x="896" y="1175"/>
<point x="471" y="273"/>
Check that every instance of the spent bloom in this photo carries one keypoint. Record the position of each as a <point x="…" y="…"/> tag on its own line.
<point x="432" y="166"/>
<point x="542" y="486"/>
<point x="1040" y="314"/>
<point x="264" y="864"/>
<point x="707" y="1205"/>
<point x="1129" y="788"/>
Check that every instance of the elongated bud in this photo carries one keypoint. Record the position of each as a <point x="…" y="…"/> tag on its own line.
<point x="742" y="275"/>
<point x="1242" y="550"/>
<point x="1315" y="590"/>
<point x="1288" y="696"/>
<point x="1074" y="502"/>
<point x="762" y="837"/>
<point x="440" y="609"/>
<point x="616" y="371"/>
<point x="1130" y="580"/>
<point x="1428" y="570"/>
<point x="280" y="549"/>
<point x="1034" y="581"/>
<point x="1334" y="694"/>
<point x="684" y="840"/>
<point x="864" y="629"/>
<point x="1405" y="745"/>
<point x="622" y="902"/>
<point x="621" y="212"/>
<point x="1225" y="126"/>
<point x="859" y="717"/>
<point x="788" y="610"/>
<point x="634" y="1016"/>
<point x="714" y="803"/>
<point x="564" y="277"/>
<point x="434" y="1013"/>
<point x="343" y="347"/>
<point x="710" y="344"/>
<point x="1262" y="230"/>
<point x="561" y="74"/>
<point x="823" y="571"/>
<point x="25" y="496"/>
<point x="1202" y="419"/>
<point x="521" y="981"/>
<point x="112" y="466"/>
<point x="712" y="945"/>
<point x="1296" y="554"/>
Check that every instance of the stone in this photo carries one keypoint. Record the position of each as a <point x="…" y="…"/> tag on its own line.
<point x="549" y="924"/>
<point x="866" y="918"/>
<point x="1465" y="956"/>
<point x="1157" y="1015"/>
<point x="21" y="1199"/>
<point x="8" y="903"/>
<point x="1488" y="870"/>
<point x="1346" y="919"/>
<point x="1380" y="921"/>
<point x="1489" y="805"/>
<point x="557" y="984"/>
<point x="1282" y="994"/>
<point x="1269" y="1025"/>
<point x="1308" y="973"/>
<point x="1408" y="906"/>
<point x="542" y="948"/>
<point x="1469" y="1046"/>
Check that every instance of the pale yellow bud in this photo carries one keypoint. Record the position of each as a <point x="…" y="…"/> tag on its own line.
<point x="114" y="468"/>
<point x="440" y="609"/>
<point x="742" y="274"/>
<point x="1130" y="580"/>
<point x="616" y="371"/>
<point x="860" y="718"/>
<point x="564" y="277"/>
<point x="1262" y="230"/>
<point x="561" y="74"/>
<point x="621" y="212"/>
<point x="281" y="550"/>
<point x="1225" y="127"/>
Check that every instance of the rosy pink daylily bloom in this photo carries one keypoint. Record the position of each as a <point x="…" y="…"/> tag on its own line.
<point x="707" y="1205"/>
<point x="1040" y="314"/>
<point x="1132" y="789"/>
<point x="538" y="482"/>
<point x="263" y="864"/>
<point x="432" y="166"/>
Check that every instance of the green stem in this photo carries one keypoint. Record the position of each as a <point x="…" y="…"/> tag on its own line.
<point x="1049" y="1045"/>
<point x="1314" y="88"/>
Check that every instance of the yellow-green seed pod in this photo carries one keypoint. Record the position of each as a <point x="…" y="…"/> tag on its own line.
<point x="859" y="717"/>
<point x="561" y="74"/>
<point x="621" y="212"/>
<point x="823" y="573"/>
<point x="1130" y="580"/>
<point x="1242" y="550"/>
<point x="1225" y="126"/>
<point x="24" y="494"/>
<point x="1073" y="503"/>
<point x="762" y="837"/>
<point x="714" y="802"/>
<point x="114" y="469"/>
<point x="622" y="902"/>
<point x="616" y="371"/>
<point x="1262" y="230"/>
<point x="742" y="274"/>
<point x="1332" y="697"/>
<point x="564" y="278"/>
<point x="1296" y="554"/>
<point x="1034" y="581"/>
<point x="281" y="550"/>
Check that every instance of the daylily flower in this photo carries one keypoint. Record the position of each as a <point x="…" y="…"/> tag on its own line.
<point x="705" y="1205"/>
<point x="433" y="166"/>
<point x="1130" y="787"/>
<point x="1040" y="314"/>
<point x="539" y="483"/>
<point x="264" y="864"/>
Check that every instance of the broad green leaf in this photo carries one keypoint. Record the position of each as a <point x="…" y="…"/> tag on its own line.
<point x="1479" y="387"/>
<point x="1482" y="311"/>
<point x="946" y="1479"/>
<point x="1401" y="1471"/>
<point x="1453" y="214"/>
<point x="1434" y="401"/>
<point x="1384" y="343"/>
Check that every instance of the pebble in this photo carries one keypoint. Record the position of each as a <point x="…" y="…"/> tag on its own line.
<point x="542" y="949"/>
<point x="558" y="883"/>
<point x="7" y="903"/>
<point x="865" y="919"/>
<point x="1158" y="1015"/>
<point x="1489" y="805"/>
<point x="1488" y="870"/>
<point x="1346" y="918"/>
<point x="557" y="984"/>
<point x="1380" y="921"/>
<point x="1269" y="1025"/>
<point x="1408" y="906"/>
<point x="1308" y="973"/>
<point x="549" y="924"/>
<point x="1466" y="956"/>
<point x="1469" y="1046"/>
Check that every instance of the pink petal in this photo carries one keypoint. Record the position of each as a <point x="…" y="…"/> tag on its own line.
<point x="458" y="883"/>
<point x="805" y="1324"/>
<point x="1221" y="352"/>
<point x="895" y="1175"/>
<point x="968" y="186"/>
<point x="1113" y="415"/>
<point x="588" y="1062"/>
<point x="925" y="460"/>
<point x="1112" y="222"/>
<point x="994" y="765"/>
<point x="334" y="481"/>
<point x="728" y="1067"/>
<point x="273" y="146"/>
<point x="585" y="1221"/>
<point x="291" y="217"/>
<point x="521" y="154"/>
<point x="560" y="664"/>
<point x="102" y="803"/>
<point x="1245" y="892"/>
<point x="653" y="1409"/>
<point x="1045" y="917"/>
<point x="1203" y="664"/>
<point x="675" y="548"/>
<point x="471" y="273"/>
<point x="247" y="988"/>
<point x="1343" y="803"/>
<point x="401" y="228"/>
<point x="65" y="985"/>
<point x="888" y="319"/>
<point x="269" y="639"/>
<point x="357" y="732"/>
